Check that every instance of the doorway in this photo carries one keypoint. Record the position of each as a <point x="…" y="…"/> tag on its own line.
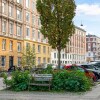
<point x="10" y="61"/>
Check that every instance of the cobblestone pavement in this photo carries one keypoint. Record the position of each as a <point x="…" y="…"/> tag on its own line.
<point x="33" y="95"/>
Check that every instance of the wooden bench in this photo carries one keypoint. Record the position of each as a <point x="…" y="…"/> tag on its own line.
<point x="41" y="80"/>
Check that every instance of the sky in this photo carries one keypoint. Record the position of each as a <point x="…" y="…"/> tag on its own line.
<point x="88" y="13"/>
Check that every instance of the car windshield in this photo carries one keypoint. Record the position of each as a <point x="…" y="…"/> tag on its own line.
<point x="88" y="66"/>
<point x="96" y="65"/>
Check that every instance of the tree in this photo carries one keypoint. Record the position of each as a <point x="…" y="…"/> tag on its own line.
<point x="28" y="58"/>
<point x="56" y="22"/>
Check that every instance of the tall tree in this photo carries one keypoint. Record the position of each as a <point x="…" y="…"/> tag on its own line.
<point x="57" y="22"/>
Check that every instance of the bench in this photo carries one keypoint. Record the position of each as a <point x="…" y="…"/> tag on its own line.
<point x="41" y="80"/>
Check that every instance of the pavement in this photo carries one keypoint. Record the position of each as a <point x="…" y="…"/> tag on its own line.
<point x="93" y="94"/>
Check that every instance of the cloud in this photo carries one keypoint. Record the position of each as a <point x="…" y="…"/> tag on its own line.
<point x="88" y="9"/>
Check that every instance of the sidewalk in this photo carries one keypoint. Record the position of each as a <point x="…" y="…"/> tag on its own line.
<point x="94" y="94"/>
<point x="2" y="85"/>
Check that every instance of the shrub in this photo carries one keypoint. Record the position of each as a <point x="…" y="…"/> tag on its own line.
<point x="19" y="80"/>
<point x="47" y="70"/>
<point x="70" y="81"/>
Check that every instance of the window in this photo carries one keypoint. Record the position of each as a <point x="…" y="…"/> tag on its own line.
<point x="54" y="55"/>
<point x="33" y="19"/>
<point x="48" y="49"/>
<point x="19" y="47"/>
<point x="71" y="56"/>
<point x="33" y="6"/>
<point x="38" y="21"/>
<point x="38" y="35"/>
<point x="19" y="30"/>
<point x="19" y="1"/>
<point x="11" y="28"/>
<point x="27" y="45"/>
<point x="27" y="3"/>
<point x="11" y="45"/>
<point x="33" y="34"/>
<point x="44" y="49"/>
<point x="39" y="60"/>
<point x="44" y="60"/>
<point x="19" y="61"/>
<point x="10" y="11"/>
<point x="27" y="31"/>
<point x="3" y="60"/>
<point x="27" y="16"/>
<point x="66" y="56"/>
<point x="94" y="44"/>
<point x="39" y="48"/>
<point x="33" y="47"/>
<point x="4" y="44"/>
<point x="3" y="7"/>
<point x="3" y="26"/>
<point x="19" y="14"/>
<point x="63" y="56"/>
<point x="48" y="60"/>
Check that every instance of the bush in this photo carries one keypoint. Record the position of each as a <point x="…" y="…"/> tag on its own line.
<point x="19" y="80"/>
<point x="47" y="70"/>
<point x="70" y="81"/>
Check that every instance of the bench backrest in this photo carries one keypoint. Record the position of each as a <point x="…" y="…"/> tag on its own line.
<point x="42" y="77"/>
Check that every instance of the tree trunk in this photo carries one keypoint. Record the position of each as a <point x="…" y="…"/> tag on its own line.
<point x="59" y="56"/>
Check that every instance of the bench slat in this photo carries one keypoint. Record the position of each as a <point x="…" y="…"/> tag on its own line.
<point x="40" y="84"/>
<point x="46" y="78"/>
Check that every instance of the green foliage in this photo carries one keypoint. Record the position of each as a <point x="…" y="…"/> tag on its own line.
<point x="57" y="22"/>
<point x="19" y="80"/>
<point x="70" y="81"/>
<point x="28" y="58"/>
<point x="48" y="70"/>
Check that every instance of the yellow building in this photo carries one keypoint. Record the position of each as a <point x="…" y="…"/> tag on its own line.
<point x="19" y="27"/>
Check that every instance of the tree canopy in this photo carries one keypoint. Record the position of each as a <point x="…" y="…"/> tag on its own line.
<point x="57" y="21"/>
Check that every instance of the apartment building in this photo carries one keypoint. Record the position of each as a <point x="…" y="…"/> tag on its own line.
<point x="92" y="47"/>
<point x="19" y="28"/>
<point x="75" y="51"/>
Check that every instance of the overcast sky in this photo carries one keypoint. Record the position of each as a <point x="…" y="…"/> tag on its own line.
<point x="88" y="12"/>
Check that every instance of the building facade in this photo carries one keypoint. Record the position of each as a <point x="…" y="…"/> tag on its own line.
<point x="19" y="28"/>
<point x="75" y="51"/>
<point x="92" y="47"/>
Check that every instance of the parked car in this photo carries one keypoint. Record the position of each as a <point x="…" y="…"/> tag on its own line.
<point x="45" y="65"/>
<point x="96" y="64"/>
<point x="88" y="73"/>
<point x="92" y="68"/>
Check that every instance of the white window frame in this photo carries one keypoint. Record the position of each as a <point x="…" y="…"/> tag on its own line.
<point x="19" y="30"/>
<point x="11" y="46"/>
<point x="19" y="61"/>
<point x="3" y="61"/>
<point x="39" y="48"/>
<point x="10" y="11"/>
<point x="27" y="16"/>
<point x="19" y="46"/>
<point x="27" y="3"/>
<point x="11" y="27"/>
<point x="4" y="26"/>
<point x="27" y="32"/>
<point x="19" y="14"/>
<point x="4" y="44"/>
<point x="3" y="7"/>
